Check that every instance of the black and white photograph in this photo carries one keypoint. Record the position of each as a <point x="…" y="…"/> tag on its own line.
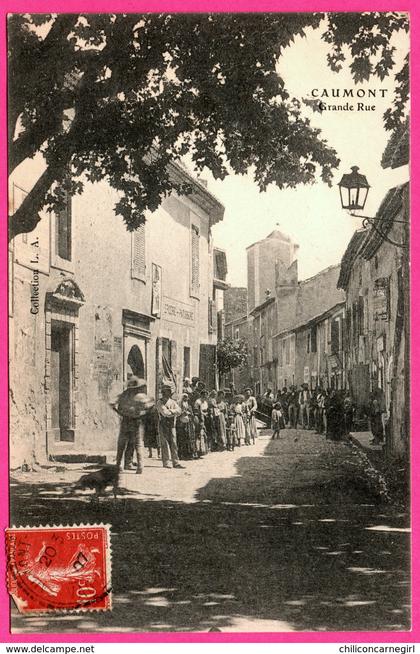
<point x="209" y="329"/>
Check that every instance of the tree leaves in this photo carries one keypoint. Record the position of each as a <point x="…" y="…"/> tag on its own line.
<point x="231" y="353"/>
<point x="110" y="89"/>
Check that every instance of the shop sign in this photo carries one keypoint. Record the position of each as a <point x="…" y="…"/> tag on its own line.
<point x="381" y="299"/>
<point x="179" y="312"/>
<point x="156" y="290"/>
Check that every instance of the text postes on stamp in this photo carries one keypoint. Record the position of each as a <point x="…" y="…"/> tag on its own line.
<point x="59" y="568"/>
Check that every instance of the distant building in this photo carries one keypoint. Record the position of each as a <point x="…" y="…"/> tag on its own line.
<point x="235" y="303"/>
<point x="237" y="327"/>
<point x="264" y="356"/>
<point x="308" y="347"/>
<point x="262" y="257"/>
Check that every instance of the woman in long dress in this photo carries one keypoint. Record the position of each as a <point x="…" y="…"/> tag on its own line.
<point x="151" y="432"/>
<point x="239" y="424"/>
<point x="251" y="404"/>
<point x="185" y="430"/>
<point x="212" y="422"/>
<point x="201" y="409"/>
<point x="221" y="419"/>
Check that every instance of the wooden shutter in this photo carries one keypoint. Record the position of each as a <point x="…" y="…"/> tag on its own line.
<point x="138" y="259"/>
<point x="335" y="337"/>
<point x="212" y="316"/>
<point x="361" y="316"/>
<point x="195" y="260"/>
<point x="207" y="365"/>
<point x="63" y="228"/>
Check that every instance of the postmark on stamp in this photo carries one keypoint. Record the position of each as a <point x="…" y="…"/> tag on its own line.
<point x="59" y="568"/>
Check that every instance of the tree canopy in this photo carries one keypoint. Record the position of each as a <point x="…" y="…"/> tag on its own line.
<point x="231" y="353"/>
<point x="120" y="96"/>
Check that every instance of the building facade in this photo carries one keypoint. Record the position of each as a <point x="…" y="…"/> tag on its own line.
<point x="92" y="304"/>
<point x="310" y="347"/>
<point x="262" y="258"/>
<point x="374" y="277"/>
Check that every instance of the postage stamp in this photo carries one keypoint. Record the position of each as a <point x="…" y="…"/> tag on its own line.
<point x="56" y="568"/>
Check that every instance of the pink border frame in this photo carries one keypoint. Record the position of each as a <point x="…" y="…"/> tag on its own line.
<point x="47" y="6"/>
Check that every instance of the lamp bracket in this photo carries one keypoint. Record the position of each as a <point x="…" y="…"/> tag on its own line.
<point x="372" y="222"/>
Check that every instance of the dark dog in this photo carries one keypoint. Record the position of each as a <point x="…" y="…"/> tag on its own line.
<point x="99" y="480"/>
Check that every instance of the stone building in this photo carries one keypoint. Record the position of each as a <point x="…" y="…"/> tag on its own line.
<point x="309" y="349"/>
<point x="92" y="304"/>
<point x="237" y="326"/>
<point x="264" y="358"/>
<point x="374" y="277"/>
<point x="262" y="257"/>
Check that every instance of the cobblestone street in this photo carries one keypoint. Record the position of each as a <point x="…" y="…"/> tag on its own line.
<point x="279" y="536"/>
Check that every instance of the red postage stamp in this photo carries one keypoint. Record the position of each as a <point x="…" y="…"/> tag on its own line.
<point x="59" y="568"/>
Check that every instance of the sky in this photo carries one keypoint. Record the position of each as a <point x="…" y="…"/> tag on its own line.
<point x="311" y="215"/>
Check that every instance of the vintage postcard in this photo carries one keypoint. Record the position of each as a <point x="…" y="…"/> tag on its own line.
<point x="209" y="323"/>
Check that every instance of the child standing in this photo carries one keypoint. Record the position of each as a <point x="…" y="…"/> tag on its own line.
<point x="276" y="420"/>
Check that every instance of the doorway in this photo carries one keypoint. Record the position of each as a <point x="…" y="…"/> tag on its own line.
<point x="62" y="372"/>
<point x="135" y="362"/>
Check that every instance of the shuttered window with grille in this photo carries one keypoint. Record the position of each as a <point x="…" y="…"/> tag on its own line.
<point x="138" y="253"/>
<point x="195" y="261"/>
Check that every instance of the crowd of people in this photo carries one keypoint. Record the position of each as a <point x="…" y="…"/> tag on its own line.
<point x="198" y="422"/>
<point x="201" y="421"/>
<point x="325" y="411"/>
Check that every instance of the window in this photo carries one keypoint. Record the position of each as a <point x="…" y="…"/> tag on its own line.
<point x="280" y="351"/>
<point x="195" y="261"/>
<point x="138" y="253"/>
<point x="355" y="311"/>
<point x="187" y="359"/>
<point x="287" y="357"/>
<point x="311" y="340"/>
<point x="167" y="351"/>
<point x="212" y="316"/>
<point x="335" y="336"/>
<point x="64" y="231"/>
<point x="347" y="330"/>
<point x="361" y="315"/>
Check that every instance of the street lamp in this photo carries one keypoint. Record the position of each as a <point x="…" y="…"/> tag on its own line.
<point x="354" y="189"/>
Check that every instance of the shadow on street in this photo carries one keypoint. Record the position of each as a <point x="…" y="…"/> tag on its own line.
<point x="288" y="544"/>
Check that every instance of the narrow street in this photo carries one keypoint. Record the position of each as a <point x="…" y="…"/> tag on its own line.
<point x="273" y="537"/>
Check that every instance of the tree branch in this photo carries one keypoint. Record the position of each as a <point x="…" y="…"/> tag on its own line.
<point x="27" y="217"/>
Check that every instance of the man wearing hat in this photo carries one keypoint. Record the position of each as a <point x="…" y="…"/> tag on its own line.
<point x="168" y="410"/>
<point x="132" y="405"/>
<point x="304" y="403"/>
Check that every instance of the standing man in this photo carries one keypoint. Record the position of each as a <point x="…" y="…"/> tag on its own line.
<point x="168" y="410"/>
<point x="304" y="401"/>
<point x="293" y="407"/>
<point x="284" y="401"/>
<point x="132" y="405"/>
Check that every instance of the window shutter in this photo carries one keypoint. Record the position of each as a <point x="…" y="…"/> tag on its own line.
<point x="63" y="229"/>
<point x="212" y="316"/>
<point x="335" y="337"/>
<point x="361" y="315"/>
<point x="195" y="260"/>
<point x="138" y="263"/>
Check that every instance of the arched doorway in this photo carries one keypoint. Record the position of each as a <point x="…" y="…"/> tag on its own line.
<point x="135" y="362"/>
